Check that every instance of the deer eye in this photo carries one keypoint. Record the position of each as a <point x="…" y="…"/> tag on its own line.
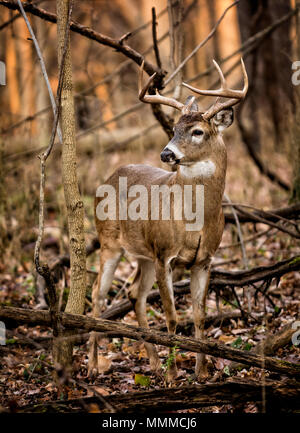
<point x="197" y="132"/>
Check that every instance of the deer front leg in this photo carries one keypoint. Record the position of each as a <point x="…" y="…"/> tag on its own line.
<point x="199" y="286"/>
<point x="164" y="281"/>
<point x="108" y="264"/>
<point x="141" y="286"/>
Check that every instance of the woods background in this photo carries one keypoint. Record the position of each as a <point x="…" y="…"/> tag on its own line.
<point x="113" y="128"/>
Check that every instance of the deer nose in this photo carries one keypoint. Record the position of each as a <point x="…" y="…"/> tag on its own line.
<point x="167" y="155"/>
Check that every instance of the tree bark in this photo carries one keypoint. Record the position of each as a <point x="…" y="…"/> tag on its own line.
<point x="295" y="140"/>
<point x="74" y="204"/>
<point x="3" y="204"/>
<point x="72" y="321"/>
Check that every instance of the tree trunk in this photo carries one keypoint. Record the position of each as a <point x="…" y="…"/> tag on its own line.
<point x="295" y="141"/>
<point x="3" y="227"/>
<point x="211" y="7"/>
<point x="268" y="69"/>
<point x="75" y="211"/>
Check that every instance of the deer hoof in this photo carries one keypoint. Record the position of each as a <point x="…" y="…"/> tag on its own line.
<point x="92" y="372"/>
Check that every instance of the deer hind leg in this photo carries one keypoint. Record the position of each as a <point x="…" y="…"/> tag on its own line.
<point x="141" y="286"/>
<point x="199" y="286"/>
<point x="164" y="281"/>
<point x="108" y="263"/>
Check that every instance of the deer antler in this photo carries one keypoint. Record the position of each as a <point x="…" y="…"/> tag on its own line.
<point x="235" y="95"/>
<point x="155" y="99"/>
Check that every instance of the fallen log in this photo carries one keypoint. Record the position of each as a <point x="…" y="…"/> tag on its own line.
<point x="72" y="321"/>
<point x="82" y="336"/>
<point x="273" y="342"/>
<point x="235" y="391"/>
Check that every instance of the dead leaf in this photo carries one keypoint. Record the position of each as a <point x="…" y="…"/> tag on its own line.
<point x="219" y="364"/>
<point x="227" y="339"/>
<point x="103" y="364"/>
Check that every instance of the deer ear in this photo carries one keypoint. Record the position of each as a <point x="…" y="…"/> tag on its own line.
<point x="194" y="106"/>
<point x="223" y="119"/>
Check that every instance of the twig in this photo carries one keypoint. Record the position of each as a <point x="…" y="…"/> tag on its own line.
<point x="245" y="260"/>
<point x="95" y="392"/>
<point x="10" y="21"/>
<point x="122" y="145"/>
<point x="249" y="44"/>
<point x="262" y="212"/>
<point x="249" y="239"/>
<point x="15" y="17"/>
<point x="165" y="121"/>
<point x="290" y="212"/>
<point x="154" y="37"/>
<point x="268" y="222"/>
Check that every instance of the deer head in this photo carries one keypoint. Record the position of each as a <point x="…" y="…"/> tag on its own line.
<point x="195" y="132"/>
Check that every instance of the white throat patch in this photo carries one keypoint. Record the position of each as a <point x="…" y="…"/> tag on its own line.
<point x="200" y="169"/>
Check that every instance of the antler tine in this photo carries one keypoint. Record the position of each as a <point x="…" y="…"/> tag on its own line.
<point x="155" y="99"/>
<point x="222" y="78"/>
<point x="143" y="90"/>
<point x="224" y="92"/>
<point x="187" y="108"/>
<point x="246" y="80"/>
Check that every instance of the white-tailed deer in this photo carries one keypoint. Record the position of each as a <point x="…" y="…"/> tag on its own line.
<point x="199" y="153"/>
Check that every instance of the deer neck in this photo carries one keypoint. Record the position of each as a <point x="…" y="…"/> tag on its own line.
<point x="209" y="170"/>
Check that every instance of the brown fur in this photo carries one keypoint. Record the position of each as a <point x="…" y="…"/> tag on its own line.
<point x="156" y="243"/>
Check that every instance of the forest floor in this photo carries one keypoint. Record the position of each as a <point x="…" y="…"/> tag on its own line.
<point x="26" y="371"/>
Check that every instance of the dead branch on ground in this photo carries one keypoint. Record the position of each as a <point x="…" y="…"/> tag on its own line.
<point x="231" y="391"/>
<point x="72" y="321"/>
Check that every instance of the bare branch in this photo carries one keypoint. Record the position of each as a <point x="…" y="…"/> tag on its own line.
<point x="89" y="33"/>
<point x="154" y="36"/>
<point x="238" y="225"/>
<point x="202" y="43"/>
<point x="268" y="222"/>
<point x="249" y="45"/>
<point x="15" y="17"/>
